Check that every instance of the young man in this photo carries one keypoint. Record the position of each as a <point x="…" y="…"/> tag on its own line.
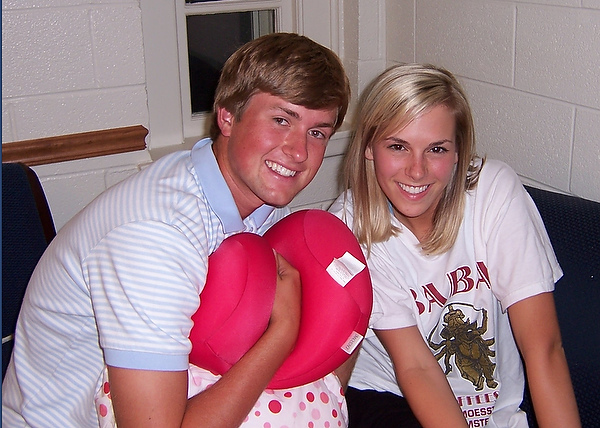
<point x="120" y="282"/>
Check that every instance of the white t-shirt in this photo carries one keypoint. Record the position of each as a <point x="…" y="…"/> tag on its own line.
<point x="458" y="300"/>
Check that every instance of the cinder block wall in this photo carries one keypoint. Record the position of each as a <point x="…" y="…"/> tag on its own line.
<point x="532" y="71"/>
<point x="72" y="66"/>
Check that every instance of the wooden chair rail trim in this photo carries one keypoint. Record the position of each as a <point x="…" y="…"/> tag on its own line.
<point x="75" y="146"/>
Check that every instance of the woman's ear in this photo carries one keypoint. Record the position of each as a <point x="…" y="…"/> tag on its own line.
<point x="224" y="120"/>
<point x="369" y="152"/>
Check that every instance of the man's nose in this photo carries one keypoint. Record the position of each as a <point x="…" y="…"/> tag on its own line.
<point x="295" y="146"/>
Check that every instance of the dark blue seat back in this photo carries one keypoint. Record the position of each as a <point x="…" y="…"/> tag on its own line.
<point x="573" y="225"/>
<point x="27" y="229"/>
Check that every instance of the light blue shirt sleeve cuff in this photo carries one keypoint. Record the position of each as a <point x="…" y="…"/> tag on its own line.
<point x="145" y="361"/>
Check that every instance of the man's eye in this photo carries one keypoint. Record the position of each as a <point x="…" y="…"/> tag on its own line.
<point x="317" y="134"/>
<point x="281" y="121"/>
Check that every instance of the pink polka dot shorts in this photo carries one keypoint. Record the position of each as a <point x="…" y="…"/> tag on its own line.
<point x="320" y="404"/>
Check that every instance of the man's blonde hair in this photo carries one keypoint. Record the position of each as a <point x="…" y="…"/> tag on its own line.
<point x="392" y="101"/>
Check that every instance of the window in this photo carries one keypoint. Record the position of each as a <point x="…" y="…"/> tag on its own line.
<point x="205" y="60"/>
<point x="208" y="33"/>
<point x="164" y="26"/>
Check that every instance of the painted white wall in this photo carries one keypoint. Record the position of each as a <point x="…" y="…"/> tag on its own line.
<point x="72" y="66"/>
<point x="532" y="71"/>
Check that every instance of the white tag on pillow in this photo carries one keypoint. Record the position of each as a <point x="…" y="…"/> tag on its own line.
<point x="345" y="268"/>
<point x="352" y="342"/>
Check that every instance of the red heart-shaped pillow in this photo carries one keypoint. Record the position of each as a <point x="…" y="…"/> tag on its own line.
<point x="236" y="302"/>
<point x="336" y="297"/>
<point x="334" y="316"/>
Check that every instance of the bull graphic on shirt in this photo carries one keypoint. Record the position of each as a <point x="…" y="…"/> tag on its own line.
<point x="462" y="338"/>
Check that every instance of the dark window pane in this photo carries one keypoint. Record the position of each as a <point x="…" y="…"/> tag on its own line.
<point x="211" y="40"/>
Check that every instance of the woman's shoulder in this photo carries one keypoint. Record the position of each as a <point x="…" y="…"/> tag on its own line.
<point x="495" y="167"/>
<point x="496" y="173"/>
<point x="498" y="188"/>
<point x="342" y="207"/>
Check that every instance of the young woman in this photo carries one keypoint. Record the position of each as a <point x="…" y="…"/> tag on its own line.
<point x="462" y="267"/>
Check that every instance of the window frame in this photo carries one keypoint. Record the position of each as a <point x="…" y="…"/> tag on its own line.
<point x="318" y="19"/>
<point x="198" y="124"/>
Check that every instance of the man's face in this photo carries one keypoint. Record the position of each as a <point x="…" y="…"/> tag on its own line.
<point x="273" y="151"/>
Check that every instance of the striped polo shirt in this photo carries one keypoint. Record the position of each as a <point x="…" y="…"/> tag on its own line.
<point x="118" y="285"/>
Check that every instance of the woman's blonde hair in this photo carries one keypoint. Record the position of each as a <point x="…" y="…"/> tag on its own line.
<point x="287" y="65"/>
<point x="395" y="98"/>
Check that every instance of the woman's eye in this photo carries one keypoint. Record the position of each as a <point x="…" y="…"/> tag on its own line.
<point x="439" y="149"/>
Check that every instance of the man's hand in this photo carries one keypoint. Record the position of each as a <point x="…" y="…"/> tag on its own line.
<point x="287" y="307"/>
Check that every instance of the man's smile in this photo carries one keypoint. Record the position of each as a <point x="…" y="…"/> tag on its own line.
<point x="280" y="169"/>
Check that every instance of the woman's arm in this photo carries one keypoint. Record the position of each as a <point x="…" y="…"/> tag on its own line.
<point x="143" y="398"/>
<point x="421" y="379"/>
<point x="536" y="331"/>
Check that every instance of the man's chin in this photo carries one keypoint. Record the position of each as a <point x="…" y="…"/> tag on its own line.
<point x="278" y="201"/>
<point x="280" y="197"/>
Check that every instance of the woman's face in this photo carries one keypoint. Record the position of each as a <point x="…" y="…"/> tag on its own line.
<point x="414" y="166"/>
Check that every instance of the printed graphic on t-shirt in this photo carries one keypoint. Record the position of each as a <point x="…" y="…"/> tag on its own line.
<point x="459" y="337"/>
<point x="459" y="341"/>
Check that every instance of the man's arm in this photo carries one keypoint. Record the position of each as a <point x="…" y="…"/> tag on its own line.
<point x="143" y="398"/>
<point x="147" y="398"/>
<point x="344" y="372"/>
<point x="535" y="327"/>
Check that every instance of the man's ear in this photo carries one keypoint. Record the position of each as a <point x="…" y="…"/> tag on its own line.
<point x="224" y="120"/>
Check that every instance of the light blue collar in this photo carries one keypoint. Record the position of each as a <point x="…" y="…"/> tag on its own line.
<point x="218" y="193"/>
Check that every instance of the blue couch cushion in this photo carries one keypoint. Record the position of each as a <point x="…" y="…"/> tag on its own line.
<point x="573" y="225"/>
<point x="27" y="229"/>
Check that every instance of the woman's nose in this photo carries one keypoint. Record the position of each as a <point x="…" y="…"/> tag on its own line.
<point x="416" y="168"/>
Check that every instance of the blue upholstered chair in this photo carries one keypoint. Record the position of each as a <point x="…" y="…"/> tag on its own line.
<point x="573" y="225"/>
<point x="27" y="229"/>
